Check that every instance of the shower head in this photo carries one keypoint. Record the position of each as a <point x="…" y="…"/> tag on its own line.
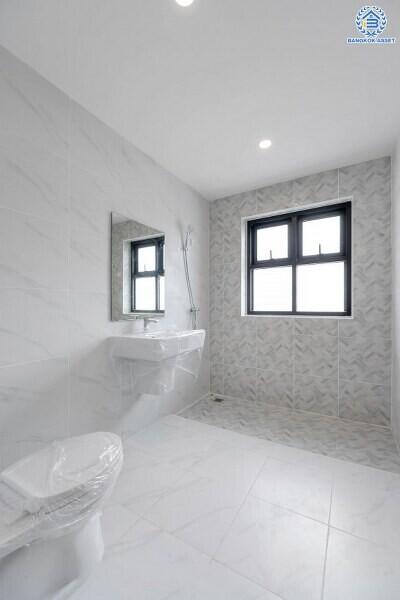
<point x="188" y="237"/>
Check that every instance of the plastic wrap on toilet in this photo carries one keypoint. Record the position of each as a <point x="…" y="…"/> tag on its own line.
<point x="63" y="494"/>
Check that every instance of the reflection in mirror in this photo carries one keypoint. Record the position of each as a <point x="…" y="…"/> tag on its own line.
<point x="137" y="269"/>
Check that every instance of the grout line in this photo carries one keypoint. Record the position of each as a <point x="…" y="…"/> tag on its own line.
<point x="339" y="420"/>
<point x="338" y="373"/>
<point x="327" y="539"/>
<point x="34" y="362"/>
<point x="201" y="552"/>
<point x="209" y="337"/>
<point x="206" y="396"/>
<point x="325" y="564"/>
<point x="223" y="306"/>
<point x="293" y="334"/>
<point x="253" y="581"/>
<point x="56" y="220"/>
<point x="68" y="275"/>
<point x="381" y="545"/>
<point x="291" y="510"/>
<point x="239" y="509"/>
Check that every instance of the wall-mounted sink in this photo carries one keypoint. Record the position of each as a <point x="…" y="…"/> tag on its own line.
<point x="157" y="346"/>
<point x="154" y="358"/>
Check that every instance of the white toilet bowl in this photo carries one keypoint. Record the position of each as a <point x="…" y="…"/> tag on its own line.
<point x="50" y="532"/>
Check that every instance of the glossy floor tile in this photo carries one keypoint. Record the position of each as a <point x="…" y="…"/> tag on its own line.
<point x="205" y="513"/>
<point x="362" y="443"/>
<point x="279" y="549"/>
<point x="359" y="570"/>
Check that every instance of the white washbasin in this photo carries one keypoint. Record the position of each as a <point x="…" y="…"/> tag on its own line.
<point x="158" y="345"/>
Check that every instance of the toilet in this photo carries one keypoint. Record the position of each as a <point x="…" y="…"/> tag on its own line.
<point x="50" y="508"/>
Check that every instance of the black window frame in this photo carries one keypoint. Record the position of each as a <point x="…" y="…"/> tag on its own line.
<point x="294" y="221"/>
<point x="159" y="243"/>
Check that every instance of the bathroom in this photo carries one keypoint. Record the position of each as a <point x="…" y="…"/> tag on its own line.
<point x="199" y="300"/>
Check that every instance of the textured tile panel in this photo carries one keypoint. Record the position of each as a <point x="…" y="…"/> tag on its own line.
<point x="362" y="443"/>
<point x="275" y="387"/>
<point x="316" y="355"/>
<point x="318" y="326"/>
<point x="240" y="341"/>
<point x="275" y="345"/>
<point x="315" y="394"/>
<point x="275" y="197"/>
<point x="364" y="402"/>
<point x="365" y="359"/>
<point x="309" y="346"/>
<point x="320" y="187"/>
<point x="217" y="378"/>
<point x="240" y="382"/>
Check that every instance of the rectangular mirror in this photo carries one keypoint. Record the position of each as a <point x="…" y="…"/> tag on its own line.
<point x="137" y="269"/>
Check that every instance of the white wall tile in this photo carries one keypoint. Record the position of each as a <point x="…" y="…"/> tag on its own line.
<point x="62" y="173"/>
<point x="34" y="325"/>
<point x="34" y="401"/>
<point x="32" y="180"/>
<point x="33" y="252"/>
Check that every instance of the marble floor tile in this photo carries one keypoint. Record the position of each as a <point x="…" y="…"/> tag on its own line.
<point x="199" y="510"/>
<point x="149" y="564"/>
<point x="368" y="508"/>
<point x="139" y="488"/>
<point x="278" y="549"/>
<point x="357" y="569"/>
<point x="116" y="521"/>
<point x="298" y="487"/>
<point x="205" y="513"/>
<point x="175" y="447"/>
<point x="236" y="464"/>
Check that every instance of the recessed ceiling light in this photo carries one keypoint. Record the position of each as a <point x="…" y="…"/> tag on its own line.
<point x="184" y="2"/>
<point x="265" y="144"/>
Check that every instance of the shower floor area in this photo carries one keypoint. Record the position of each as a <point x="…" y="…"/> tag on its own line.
<point x="361" y="443"/>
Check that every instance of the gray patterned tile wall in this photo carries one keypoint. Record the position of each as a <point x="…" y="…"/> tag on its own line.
<point x="328" y="366"/>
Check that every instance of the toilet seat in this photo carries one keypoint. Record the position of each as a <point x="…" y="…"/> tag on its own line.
<point x="62" y="469"/>
<point x="56" y="487"/>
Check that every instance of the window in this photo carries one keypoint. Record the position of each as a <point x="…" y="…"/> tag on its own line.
<point x="148" y="293"/>
<point x="299" y="263"/>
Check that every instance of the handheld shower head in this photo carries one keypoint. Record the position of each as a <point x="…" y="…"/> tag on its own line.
<point x="188" y="237"/>
<point x="188" y="242"/>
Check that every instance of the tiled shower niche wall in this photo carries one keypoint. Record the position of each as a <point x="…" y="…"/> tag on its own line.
<point x="335" y="367"/>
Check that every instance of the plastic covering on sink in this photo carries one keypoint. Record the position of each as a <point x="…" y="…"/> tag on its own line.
<point x="57" y="488"/>
<point x="156" y="378"/>
<point x="150" y="363"/>
<point x="156" y="346"/>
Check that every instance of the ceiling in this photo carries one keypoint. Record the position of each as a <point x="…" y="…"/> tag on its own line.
<point x="197" y="88"/>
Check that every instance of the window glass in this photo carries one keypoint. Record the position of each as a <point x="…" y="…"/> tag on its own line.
<point x="321" y="236"/>
<point x="320" y="287"/>
<point x="162" y="292"/>
<point x="272" y="242"/>
<point x="272" y="289"/>
<point x="146" y="259"/>
<point x="145" y="293"/>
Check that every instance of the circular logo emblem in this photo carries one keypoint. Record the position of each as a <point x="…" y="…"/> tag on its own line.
<point x="371" y="21"/>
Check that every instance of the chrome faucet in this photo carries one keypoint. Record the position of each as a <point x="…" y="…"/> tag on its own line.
<point x="147" y="321"/>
